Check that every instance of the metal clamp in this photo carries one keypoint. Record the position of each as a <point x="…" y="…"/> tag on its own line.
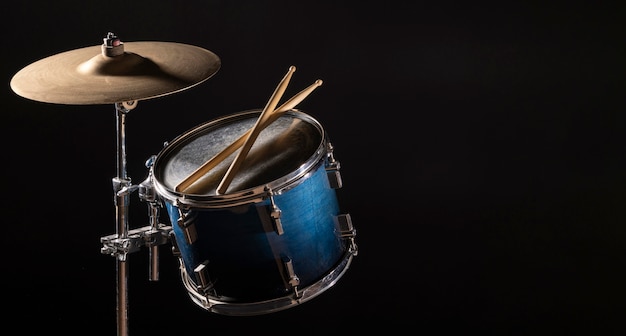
<point x="144" y="236"/>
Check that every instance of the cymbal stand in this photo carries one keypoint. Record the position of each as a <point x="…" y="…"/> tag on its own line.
<point x="126" y="241"/>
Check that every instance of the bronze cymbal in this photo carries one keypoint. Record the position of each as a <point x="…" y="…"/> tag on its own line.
<point x="142" y="70"/>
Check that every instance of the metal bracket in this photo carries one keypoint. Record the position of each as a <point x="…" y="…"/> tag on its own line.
<point x="123" y="187"/>
<point x="144" y="236"/>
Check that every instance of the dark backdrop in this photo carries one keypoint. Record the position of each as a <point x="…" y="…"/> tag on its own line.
<point x="481" y="148"/>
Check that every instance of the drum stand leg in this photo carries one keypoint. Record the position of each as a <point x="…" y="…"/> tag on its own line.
<point x="124" y="241"/>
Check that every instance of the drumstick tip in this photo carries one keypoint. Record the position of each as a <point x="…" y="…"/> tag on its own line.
<point x="319" y="82"/>
<point x="292" y="68"/>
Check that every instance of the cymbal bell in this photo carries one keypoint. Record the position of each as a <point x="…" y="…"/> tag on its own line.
<point x="141" y="71"/>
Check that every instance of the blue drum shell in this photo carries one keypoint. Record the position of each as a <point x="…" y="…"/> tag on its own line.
<point x="245" y="253"/>
<point x="246" y="256"/>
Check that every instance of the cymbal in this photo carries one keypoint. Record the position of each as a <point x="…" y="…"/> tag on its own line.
<point x="142" y="70"/>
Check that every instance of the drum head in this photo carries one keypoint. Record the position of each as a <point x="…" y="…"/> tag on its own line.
<point x="282" y="148"/>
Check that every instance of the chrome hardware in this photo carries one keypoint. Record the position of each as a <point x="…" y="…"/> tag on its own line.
<point x="175" y="250"/>
<point x="122" y="187"/>
<point x="186" y="223"/>
<point x="146" y="188"/>
<point x="347" y="231"/>
<point x="144" y="236"/>
<point x="120" y="245"/>
<point x="202" y="277"/>
<point x="291" y="278"/>
<point x="112" y="46"/>
<point x="334" y="178"/>
<point x="275" y="213"/>
<point x="332" y="168"/>
<point x="148" y="195"/>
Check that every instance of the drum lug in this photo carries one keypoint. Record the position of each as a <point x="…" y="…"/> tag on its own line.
<point x="203" y="281"/>
<point x="187" y="225"/>
<point x="347" y="231"/>
<point x="275" y="212"/>
<point x="291" y="278"/>
<point x="332" y="168"/>
<point x="175" y="250"/>
<point x="334" y="178"/>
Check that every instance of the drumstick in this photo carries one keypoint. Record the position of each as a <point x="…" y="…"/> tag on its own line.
<point x="256" y="129"/>
<point x="221" y="156"/>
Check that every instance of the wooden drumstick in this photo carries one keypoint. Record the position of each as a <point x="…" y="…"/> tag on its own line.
<point x="221" y="156"/>
<point x="256" y="129"/>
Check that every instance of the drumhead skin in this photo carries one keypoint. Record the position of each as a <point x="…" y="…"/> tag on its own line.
<point x="282" y="152"/>
<point x="272" y="242"/>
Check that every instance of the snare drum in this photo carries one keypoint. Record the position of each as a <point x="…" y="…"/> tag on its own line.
<point x="277" y="237"/>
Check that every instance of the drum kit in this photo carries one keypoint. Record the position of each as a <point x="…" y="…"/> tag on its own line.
<point x="254" y="219"/>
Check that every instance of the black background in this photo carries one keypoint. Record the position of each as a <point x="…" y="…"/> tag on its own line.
<point x="481" y="148"/>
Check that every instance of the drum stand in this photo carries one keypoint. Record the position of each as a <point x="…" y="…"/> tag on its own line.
<point x="126" y="241"/>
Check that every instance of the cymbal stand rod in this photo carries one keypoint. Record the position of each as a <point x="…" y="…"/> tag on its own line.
<point x="121" y="185"/>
